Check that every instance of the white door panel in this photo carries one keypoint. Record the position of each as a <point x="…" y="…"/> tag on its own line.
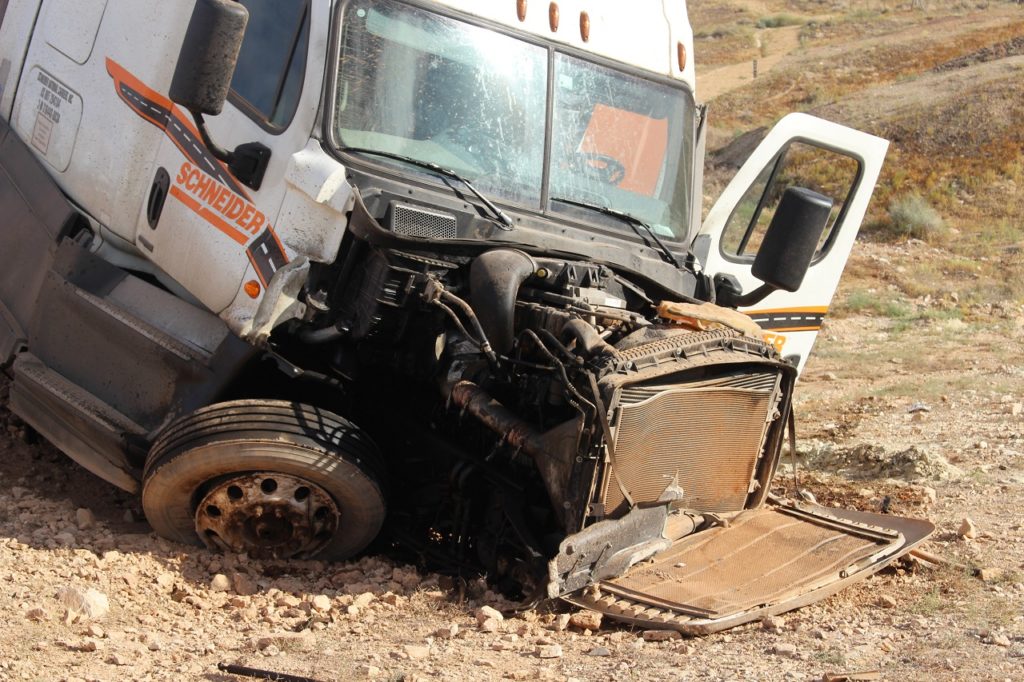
<point x="791" y="319"/>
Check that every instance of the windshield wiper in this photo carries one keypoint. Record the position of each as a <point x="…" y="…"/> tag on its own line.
<point x="633" y="222"/>
<point x="504" y="222"/>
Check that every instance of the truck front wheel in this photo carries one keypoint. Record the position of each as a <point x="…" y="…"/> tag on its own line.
<point x="273" y="479"/>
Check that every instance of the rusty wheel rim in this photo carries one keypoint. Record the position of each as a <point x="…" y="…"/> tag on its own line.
<point x="267" y="515"/>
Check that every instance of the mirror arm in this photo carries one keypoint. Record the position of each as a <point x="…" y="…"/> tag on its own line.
<point x="728" y="294"/>
<point x="248" y="162"/>
<point x="218" y="152"/>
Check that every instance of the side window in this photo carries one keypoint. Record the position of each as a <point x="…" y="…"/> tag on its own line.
<point x="799" y="165"/>
<point x="272" y="63"/>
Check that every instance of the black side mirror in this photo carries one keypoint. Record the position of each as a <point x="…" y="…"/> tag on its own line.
<point x="202" y="80"/>
<point x="792" y="238"/>
<point x="208" y="56"/>
<point x="786" y="251"/>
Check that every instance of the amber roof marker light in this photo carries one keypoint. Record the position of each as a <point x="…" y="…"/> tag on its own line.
<point x="553" y="16"/>
<point x="521" y="9"/>
<point x="681" y="55"/>
<point x="585" y="26"/>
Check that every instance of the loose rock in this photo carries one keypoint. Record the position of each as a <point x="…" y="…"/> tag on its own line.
<point x="88" y="605"/>
<point x="785" y="650"/>
<point x="549" y="651"/>
<point x="599" y="651"/>
<point x="363" y="600"/>
<point x="416" y="652"/>
<point x="989" y="575"/>
<point x="37" y="614"/>
<point x="660" y="635"/>
<point x="119" y="659"/>
<point x="485" y="613"/>
<point x="66" y="538"/>
<point x="220" y="583"/>
<point x="967" y="529"/>
<point x="586" y="620"/>
<point x="288" y="641"/>
<point x="243" y="584"/>
<point x="84" y="519"/>
<point x="886" y="602"/>
<point x="322" y="602"/>
<point x="447" y="632"/>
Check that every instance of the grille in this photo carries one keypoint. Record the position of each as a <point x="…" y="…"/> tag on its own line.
<point x="764" y="557"/>
<point x="706" y="434"/>
<point x="420" y="222"/>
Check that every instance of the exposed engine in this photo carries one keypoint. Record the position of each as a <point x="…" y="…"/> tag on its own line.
<point x="562" y="393"/>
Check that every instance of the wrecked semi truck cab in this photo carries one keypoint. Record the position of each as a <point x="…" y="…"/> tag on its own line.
<point x="432" y="275"/>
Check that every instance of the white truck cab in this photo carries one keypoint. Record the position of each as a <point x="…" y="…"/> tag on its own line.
<point x="315" y="272"/>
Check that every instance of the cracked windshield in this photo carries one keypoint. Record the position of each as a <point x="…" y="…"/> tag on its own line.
<point x="421" y="85"/>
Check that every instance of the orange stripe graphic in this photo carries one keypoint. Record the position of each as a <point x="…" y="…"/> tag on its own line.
<point x="777" y="311"/>
<point x="209" y="216"/>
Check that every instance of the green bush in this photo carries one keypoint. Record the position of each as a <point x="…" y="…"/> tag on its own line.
<point x="912" y="216"/>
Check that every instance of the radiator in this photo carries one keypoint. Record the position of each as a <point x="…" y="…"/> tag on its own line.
<point x="706" y="436"/>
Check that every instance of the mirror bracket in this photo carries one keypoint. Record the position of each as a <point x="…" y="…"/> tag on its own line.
<point x="729" y="294"/>
<point x="248" y="162"/>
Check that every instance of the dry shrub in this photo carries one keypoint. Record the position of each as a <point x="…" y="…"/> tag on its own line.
<point x="910" y="215"/>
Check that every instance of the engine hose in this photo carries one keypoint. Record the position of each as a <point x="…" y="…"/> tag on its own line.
<point x="561" y="370"/>
<point x="467" y="310"/>
<point x="457" y="322"/>
<point x="561" y="347"/>
<point x="519" y="433"/>
<point x="322" y="335"/>
<point x="587" y="338"/>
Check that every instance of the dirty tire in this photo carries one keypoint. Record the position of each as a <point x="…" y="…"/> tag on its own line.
<point x="265" y="435"/>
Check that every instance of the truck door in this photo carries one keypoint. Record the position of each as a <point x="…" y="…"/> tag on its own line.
<point x="208" y="230"/>
<point x="803" y="151"/>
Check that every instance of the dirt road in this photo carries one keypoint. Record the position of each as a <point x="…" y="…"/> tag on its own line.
<point x="773" y="44"/>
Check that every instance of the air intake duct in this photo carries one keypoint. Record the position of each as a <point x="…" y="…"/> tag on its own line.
<point x="494" y="279"/>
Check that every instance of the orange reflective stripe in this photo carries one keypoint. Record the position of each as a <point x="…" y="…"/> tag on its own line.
<point x="782" y="311"/>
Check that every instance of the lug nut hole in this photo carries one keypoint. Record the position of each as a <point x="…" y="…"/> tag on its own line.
<point x="301" y="493"/>
<point x="234" y="492"/>
<point x="212" y="510"/>
<point x="268" y="485"/>
<point x="321" y="513"/>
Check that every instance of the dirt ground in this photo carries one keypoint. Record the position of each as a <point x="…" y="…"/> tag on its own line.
<point x="913" y="401"/>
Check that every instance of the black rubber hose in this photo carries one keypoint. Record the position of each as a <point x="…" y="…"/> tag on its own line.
<point x="467" y="310"/>
<point x="495" y="278"/>
<point x="322" y="335"/>
<point x="587" y="338"/>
